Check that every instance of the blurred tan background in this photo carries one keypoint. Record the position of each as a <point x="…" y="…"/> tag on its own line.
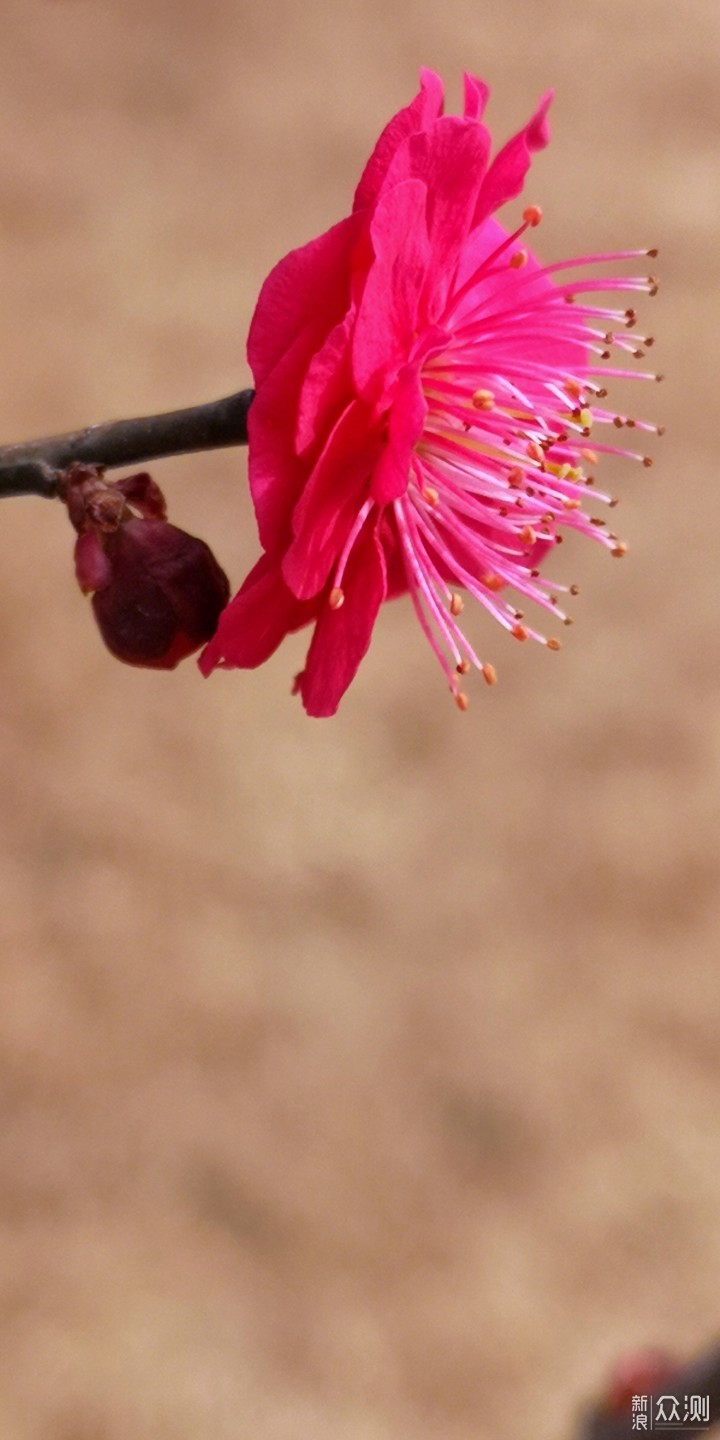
<point x="359" y="1079"/>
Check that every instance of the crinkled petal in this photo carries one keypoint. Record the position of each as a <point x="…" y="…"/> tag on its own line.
<point x="505" y="178"/>
<point x="330" y="501"/>
<point x="450" y="158"/>
<point x="405" y="426"/>
<point x="326" y="386"/>
<point x="425" y="108"/>
<point x="276" y="473"/>
<point x="309" y="286"/>
<point x="255" y="622"/>
<point x="476" y="95"/>
<point x="342" y="637"/>
<point x="387" y="315"/>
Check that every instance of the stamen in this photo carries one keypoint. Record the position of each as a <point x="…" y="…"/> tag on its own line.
<point x="483" y="400"/>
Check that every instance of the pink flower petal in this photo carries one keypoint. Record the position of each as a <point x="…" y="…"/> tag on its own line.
<point x="450" y="159"/>
<point x="330" y="502"/>
<point x="387" y="313"/>
<point x="506" y="176"/>
<point x="276" y="473"/>
<point x="252" y="626"/>
<point x="476" y="94"/>
<point x="405" y="426"/>
<point x="425" y="108"/>
<point x="342" y="636"/>
<point x="310" y="286"/>
<point x="325" y="387"/>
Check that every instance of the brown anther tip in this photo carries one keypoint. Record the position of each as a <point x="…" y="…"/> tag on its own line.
<point x="618" y="422"/>
<point x="574" y="589"/>
<point x="336" y="598"/>
<point x="639" y="354"/>
<point x="456" y="604"/>
<point x="461" y="700"/>
<point x="596" y="520"/>
<point x="430" y="495"/>
<point x="559" y="539"/>
<point x="659" y="378"/>
<point x="462" y="667"/>
<point x="604" y="354"/>
<point x="518" y="259"/>
<point x="649" y="340"/>
<point x="601" y="394"/>
<point x="660" y="430"/>
<point x="519" y="632"/>
<point x="534" y="574"/>
<point x="568" y="620"/>
<point x="489" y="674"/>
<point x="653" y="253"/>
<point x="553" y="644"/>
<point x="647" y="461"/>
<point x="532" y="215"/>
<point x="619" y="550"/>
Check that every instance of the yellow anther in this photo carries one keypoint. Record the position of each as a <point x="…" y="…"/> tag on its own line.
<point x="336" y="598"/>
<point x="586" y="418"/>
<point x="456" y="603"/>
<point x="430" y="495"/>
<point x="589" y="455"/>
<point x="483" y="400"/>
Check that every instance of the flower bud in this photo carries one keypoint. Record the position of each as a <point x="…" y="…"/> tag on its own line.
<point x="157" y="592"/>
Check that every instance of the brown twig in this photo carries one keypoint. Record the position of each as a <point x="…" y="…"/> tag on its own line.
<point x="33" y="468"/>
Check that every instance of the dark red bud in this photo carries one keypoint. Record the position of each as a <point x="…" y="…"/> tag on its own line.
<point x="157" y="591"/>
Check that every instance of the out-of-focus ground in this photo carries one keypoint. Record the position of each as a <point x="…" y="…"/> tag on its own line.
<point x="359" y="1080"/>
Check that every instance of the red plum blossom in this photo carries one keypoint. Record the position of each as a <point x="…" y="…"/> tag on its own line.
<point x="426" y="391"/>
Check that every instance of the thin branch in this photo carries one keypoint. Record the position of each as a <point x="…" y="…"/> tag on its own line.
<point x="34" y="468"/>
<point x="700" y="1376"/>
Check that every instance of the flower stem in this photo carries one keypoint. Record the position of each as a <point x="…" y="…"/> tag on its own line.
<point x="33" y="468"/>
